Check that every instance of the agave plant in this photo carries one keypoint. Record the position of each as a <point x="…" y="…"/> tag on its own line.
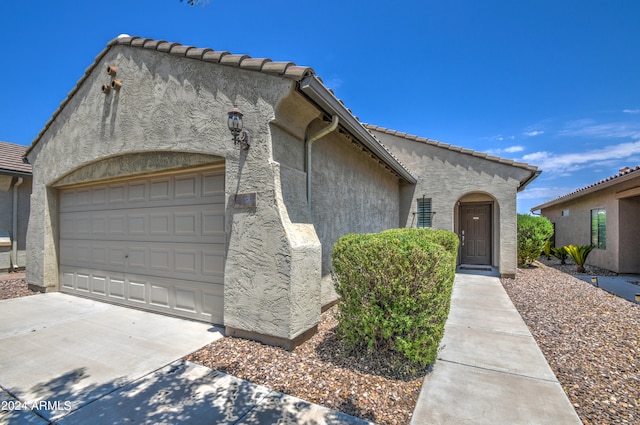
<point x="579" y="254"/>
<point x="560" y="253"/>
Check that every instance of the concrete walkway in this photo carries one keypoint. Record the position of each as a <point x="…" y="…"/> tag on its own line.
<point x="69" y="360"/>
<point x="490" y="369"/>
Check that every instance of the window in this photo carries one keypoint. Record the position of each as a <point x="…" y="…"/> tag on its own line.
<point x="565" y="213"/>
<point x="424" y="212"/>
<point x="599" y="228"/>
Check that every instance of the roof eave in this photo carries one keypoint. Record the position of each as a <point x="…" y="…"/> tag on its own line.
<point x="524" y="183"/>
<point x="585" y="191"/>
<point x="316" y="91"/>
<point x="16" y="173"/>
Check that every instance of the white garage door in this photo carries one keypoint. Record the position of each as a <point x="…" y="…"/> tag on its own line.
<point x="156" y="243"/>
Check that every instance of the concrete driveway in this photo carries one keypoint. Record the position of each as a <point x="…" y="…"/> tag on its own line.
<point x="59" y="353"/>
<point x="72" y="361"/>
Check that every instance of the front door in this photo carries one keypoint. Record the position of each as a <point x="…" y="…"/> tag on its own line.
<point x="475" y="234"/>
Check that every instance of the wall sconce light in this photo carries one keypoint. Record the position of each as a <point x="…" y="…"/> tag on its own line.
<point x="234" y="121"/>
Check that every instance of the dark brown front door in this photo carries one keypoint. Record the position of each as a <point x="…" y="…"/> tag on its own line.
<point x="475" y="234"/>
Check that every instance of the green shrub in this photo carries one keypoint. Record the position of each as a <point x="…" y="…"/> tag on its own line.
<point x="448" y="240"/>
<point x="579" y="254"/>
<point x="561" y="254"/>
<point x="533" y="232"/>
<point x="395" y="291"/>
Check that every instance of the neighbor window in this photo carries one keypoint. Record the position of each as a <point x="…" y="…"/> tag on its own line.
<point x="424" y="212"/>
<point x="565" y="213"/>
<point x="599" y="228"/>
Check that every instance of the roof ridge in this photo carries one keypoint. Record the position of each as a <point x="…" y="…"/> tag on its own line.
<point x="285" y="69"/>
<point x="448" y="146"/>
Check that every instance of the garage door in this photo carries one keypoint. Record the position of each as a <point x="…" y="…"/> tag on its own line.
<point x="156" y="243"/>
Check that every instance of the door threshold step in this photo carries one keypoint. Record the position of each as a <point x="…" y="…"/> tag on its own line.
<point x="483" y="268"/>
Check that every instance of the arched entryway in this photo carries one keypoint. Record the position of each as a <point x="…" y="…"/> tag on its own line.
<point x="477" y="229"/>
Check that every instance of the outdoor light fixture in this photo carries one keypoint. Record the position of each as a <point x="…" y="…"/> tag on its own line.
<point x="234" y="121"/>
<point x="594" y="280"/>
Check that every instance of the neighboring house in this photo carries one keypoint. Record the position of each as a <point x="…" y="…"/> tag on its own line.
<point x="605" y="214"/>
<point x="141" y="196"/>
<point x="15" y="191"/>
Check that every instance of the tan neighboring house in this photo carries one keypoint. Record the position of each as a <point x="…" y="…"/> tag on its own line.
<point x="15" y="191"/>
<point x="142" y="197"/>
<point x="605" y="214"/>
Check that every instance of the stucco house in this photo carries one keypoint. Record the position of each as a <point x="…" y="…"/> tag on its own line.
<point x="604" y="214"/>
<point x="143" y="197"/>
<point x="15" y="192"/>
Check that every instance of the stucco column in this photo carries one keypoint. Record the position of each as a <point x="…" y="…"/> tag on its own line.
<point x="273" y="271"/>
<point x="508" y="237"/>
<point x="42" y="259"/>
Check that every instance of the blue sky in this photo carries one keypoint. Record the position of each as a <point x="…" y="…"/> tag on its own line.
<point x="552" y="83"/>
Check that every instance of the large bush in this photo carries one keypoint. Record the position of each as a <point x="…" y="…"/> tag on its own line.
<point x="395" y="290"/>
<point x="533" y="233"/>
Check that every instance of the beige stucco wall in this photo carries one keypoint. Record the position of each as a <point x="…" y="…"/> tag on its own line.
<point x="179" y="106"/>
<point x="447" y="177"/>
<point x="622" y="252"/>
<point x="350" y="191"/>
<point x="6" y="221"/>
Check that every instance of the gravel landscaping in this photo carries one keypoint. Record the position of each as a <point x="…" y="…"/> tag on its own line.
<point x="321" y="372"/>
<point x="14" y="287"/>
<point x="589" y="337"/>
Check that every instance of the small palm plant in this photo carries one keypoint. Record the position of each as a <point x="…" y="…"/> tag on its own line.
<point x="561" y="254"/>
<point x="579" y="254"/>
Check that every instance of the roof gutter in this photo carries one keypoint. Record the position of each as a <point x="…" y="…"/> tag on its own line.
<point x="316" y="91"/>
<point x="529" y="179"/>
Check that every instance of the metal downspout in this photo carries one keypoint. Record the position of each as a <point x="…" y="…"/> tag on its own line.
<point x="307" y="150"/>
<point x="14" y="239"/>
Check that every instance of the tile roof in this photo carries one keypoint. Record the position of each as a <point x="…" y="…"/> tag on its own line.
<point x="626" y="172"/>
<point x="301" y="74"/>
<point x="284" y="69"/>
<point x="11" y="159"/>
<point x="452" y="147"/>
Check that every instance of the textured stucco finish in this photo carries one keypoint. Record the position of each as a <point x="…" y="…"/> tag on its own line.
<point x="622" y="252"/>
<point x="6" y="220"/>
<point x="449" y="177"/>
<point x="171" y="113"/>
<point x="179" y="107"/>
<point x="350" y="191"/>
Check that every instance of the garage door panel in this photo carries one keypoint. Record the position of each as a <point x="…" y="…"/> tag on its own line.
<point x="200" y="224"/>
<point x="137" y="291"/>
<point x="166" y="191"/>
<point x="199" y="262"/>
<point x="159" y="296"/>
<point x="99" y="284"/>
<point x="156" y="243"/>
<point x="184" y="298"/>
